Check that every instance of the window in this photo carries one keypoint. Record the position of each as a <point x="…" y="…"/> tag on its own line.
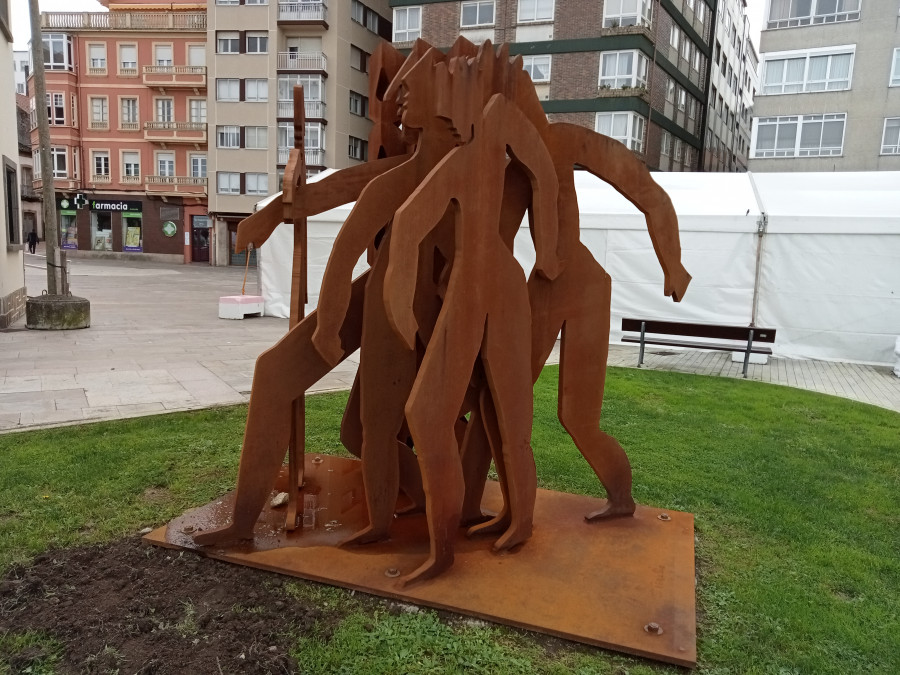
<point x="681" y="97"/>
<point x="58" y="51"/>
<point x="58" y="159"/>
<point x="165" y="164"/>
<point x="407" y="24"/>
<point x="535" y="10"/>
<point x="56" y="108"/>
<point x="228" y="183"/>
<point x="228" y="89"/>
<point x="256" y="89"/>
<point x="313" y="88"/>
<point x="790" y="13"/>
<point x="358" y="149"/>
<point x="256" y="2"/>
<point x="257" y="42"/>
<point x="890" y="139"/>
<point x="129" y="113"/>
<point x="11" y="202"/>
<point x="256" y="183"/>
<point x="626" y="13"/>
<point x="357" y="11"/>
<point x="674" y="36"/>
<point x="97" y="57"/>
<point x="131" y="164"/>
<point x="256" y="138"/>
<point x="801" y="72"/>
<point x="695" y="57"/>
<point x="228" y="42"/>
<point x="538" y="67"/>
<point x="196" y="55"/>
<point x="477" y="14"/>
<point x="228" y="2"/>
<point x="128" y="60"/>
<point x="314" y="138"/>
<point x="359" y="60"/>
<point x="162" y="55"/>
<point x="665" y="143"/>
<point x="623" y="69"/>
<point x="359" y="104"/>
<point x="164" y="110"/>
<point x="686" y="45"/>
<point x="800" y="136"/>
<point x="625" y="127"/>
<point x="101" y="163"/>
<point x="99" y="112"/>
<point x="198" y="110"/>
<point x="198" y="166"/>
<point x="700" y="11"/>
<point x="228" y="136"/>
<point x="895" y="69"/>
<point x="678" y="149"/>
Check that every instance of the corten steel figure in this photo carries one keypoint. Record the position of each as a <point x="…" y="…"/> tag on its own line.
<point x="485" y="308"/>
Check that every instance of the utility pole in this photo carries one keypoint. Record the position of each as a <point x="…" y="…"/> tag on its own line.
<point x="57" y="284"/>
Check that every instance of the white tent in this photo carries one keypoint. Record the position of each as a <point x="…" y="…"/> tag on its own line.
<point x="814" y="255"/>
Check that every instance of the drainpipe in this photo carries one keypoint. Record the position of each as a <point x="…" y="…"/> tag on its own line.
<point x="762" y="225"/>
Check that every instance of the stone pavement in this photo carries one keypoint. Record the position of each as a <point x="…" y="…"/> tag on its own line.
<point x="156" y="344"/>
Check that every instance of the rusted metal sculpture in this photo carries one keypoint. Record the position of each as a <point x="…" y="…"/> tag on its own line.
<point x="447" y="325"/>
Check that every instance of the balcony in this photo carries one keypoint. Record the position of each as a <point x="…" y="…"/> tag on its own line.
<point x="313" y="110"/>
<point x="169" y="21"/>
<point x="129" y="126"/>
<point x="130" y="180"/>
<point x="101" y="178"/>
<point x="313" y="157"/>
<point x="98" y="125"/>
<point x="175" y="132"/>
<point x="175" y="77"/>
<point x="302" y="12"/>
<point x="181" y="185"/>
<point x="302" y="61"/>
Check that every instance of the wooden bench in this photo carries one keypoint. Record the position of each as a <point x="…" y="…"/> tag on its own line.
<point x="742" y="338"/>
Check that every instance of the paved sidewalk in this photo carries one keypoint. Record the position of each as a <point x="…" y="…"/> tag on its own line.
<point x="156" y="344"/>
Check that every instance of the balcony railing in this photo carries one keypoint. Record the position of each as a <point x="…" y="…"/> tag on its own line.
<point x="180" y="21"/>
<point x="175" y="76"/>
<point x="101" y="178"/>
<point x="302" y="11"/>
<point x="301" y="61"/>
<point x="312" y="157"/>
<point x="130" y="126"/>
<point x="102" y="125"/>
<point x="175" y="132"/>
<point x="96" y="71"/>
<point x="181" y="184"/>
<point x="312" y="109"/>
<point x="130" y="180"/>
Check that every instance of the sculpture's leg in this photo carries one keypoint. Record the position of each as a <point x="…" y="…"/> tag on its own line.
<point x="476" y="461"/>
<point x="283" y="373"/>
<point x="488" y="416"/>
<point x="431" y="412"/>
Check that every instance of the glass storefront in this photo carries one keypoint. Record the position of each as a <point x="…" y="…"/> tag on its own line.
<point x="132" y="236"/>
<point x="101" y="231"/>
<point x="68" y="229"/>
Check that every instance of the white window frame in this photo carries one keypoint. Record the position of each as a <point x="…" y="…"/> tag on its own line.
<point x="228" y="136"/>
<point x="803" y="86"/>
<point x="127" y="106"/>
<point x="535" y="63"/>
<point x="97" y="62"/>
<point x="128" y="66"/>
<point x="131" y="169"/>
<point x="99" y="108"/>
<point x="892" y="148"/>
<point x="895" y="69"/>
<point x="357" y="148"/>
<point x="256" y="138"/>
<point x="359" y="104"/>
<point x="847" y="10"/>
<point x="198" y="164"/>
<point x="252" y="88"/>
<point x="165" y="164"/>
<point x="223" y="83"/>
<point x="479" y="6"/>
<point x="618" y="13"/>
<point x="635" y="130"/>
<point x="164" y="109"/>
<point x="799" y="121"/>
<point x="256" y="184"/>
<point x="166" y="51"/>
<point x="531" y="11"/>
<point x="260" y="44"/>
<point x="640" y="65"/>
<point x="56" y="103"/>
<point x="228" y="42"/>
<point x="100" y="159"/>
<point x="197" y="110"/>
<point x="65" y="42"/>
<point x="404" y="31"/>
<point x="228" y="182"/>
<point x="60" y="168"/>
<point x="313" y="87"/>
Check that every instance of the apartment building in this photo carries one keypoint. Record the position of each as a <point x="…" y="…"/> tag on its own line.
<point x="12" y="268"/>
<point x="829" y="96"/>
<point x="32" y="205"/>
<point x="257" y="51"/>
<point x="733" y="84"/>
<point x="22" y="69"/>
<point x="636" y="70"/>
<point x="126" y="101"/>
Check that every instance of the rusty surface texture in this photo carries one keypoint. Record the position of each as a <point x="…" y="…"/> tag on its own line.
<point x="451" y="331"/>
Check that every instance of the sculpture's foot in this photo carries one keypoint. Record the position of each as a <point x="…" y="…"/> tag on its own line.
<point x="476" y="518"/>
<point x="494" y="525"/>
<point x="611" y="510"/>
<point x="223" y="535"/>
<point x="410" y="509"/>
<point x="427" y="570"/>
<point x="367" y="535"/>
<point x="516" y="534"/>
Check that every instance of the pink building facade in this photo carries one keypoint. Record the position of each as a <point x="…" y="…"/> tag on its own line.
<point x="126" y="101"/>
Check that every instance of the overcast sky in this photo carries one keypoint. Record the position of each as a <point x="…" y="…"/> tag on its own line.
<point x="22" y="29"/>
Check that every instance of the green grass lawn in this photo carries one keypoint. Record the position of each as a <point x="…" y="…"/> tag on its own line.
<point x="794" y="493"/>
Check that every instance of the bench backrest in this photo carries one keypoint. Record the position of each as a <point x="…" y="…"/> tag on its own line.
<point x="703" y="330"/>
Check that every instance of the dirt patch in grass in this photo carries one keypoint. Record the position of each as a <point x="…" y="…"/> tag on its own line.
<point x="129" y="607"/>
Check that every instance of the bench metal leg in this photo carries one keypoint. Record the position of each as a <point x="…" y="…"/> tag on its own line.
<point x="747" y="353"/>
<point x="641" y="353"/>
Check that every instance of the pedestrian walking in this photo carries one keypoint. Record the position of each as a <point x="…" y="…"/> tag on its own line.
<point x="32" y="241"/>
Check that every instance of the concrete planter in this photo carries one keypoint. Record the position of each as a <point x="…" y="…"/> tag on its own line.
<point x="57" y="312"/>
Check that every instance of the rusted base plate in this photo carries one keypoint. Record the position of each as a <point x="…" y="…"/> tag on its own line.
<point x="600" y="583"/>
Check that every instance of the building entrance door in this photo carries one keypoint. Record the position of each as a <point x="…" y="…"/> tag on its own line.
<point x="200" y="239"/>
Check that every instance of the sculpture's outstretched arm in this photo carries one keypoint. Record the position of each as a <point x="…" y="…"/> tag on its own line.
<point x="328" y="193"/>
<point x="413" y="221"/>
<point x="374" y="209"/>
<point x="505" y="121"/>
<point x="615" y="164"/>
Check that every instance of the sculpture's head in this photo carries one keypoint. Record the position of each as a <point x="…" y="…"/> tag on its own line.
<point x="416" y="88"/>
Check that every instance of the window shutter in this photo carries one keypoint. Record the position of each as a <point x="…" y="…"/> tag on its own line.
<point x="243" y="133"/>
<point x="242" y="89"/>
<point x="242" y="47"/>
<point x="243" y="181"/>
